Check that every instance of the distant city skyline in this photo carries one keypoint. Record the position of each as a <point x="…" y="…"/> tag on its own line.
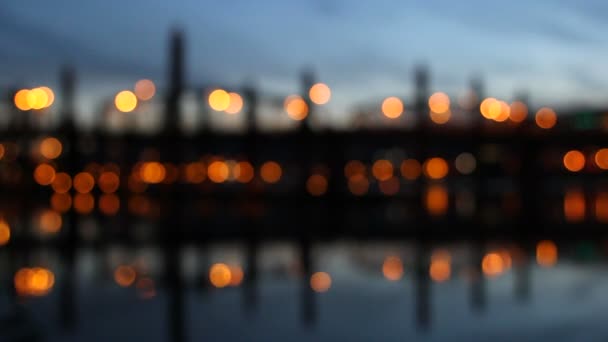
<point x="553" y="50"/>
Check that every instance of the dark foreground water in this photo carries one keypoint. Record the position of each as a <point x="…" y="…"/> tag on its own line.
<point x="566" y="301"/>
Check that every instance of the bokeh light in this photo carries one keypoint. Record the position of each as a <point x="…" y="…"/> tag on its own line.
<point x="296" y="107"/>
<point x="44" y="174"/>
<point x="436" y="168"/>
<point x="411" y="169"/>
<point x="5" y="232"/>
<point x="392" y="268"/>
<point x="316" y="185"/>
<point x="320" y="281"/>
<point x="439" y="103"/>
<point x="382" y="169"/>
<point x="546" y="253"/>
<point x="546" y="118"/>
<point x="145" y="89"/>
<point x="50" y="148"/>
<point x="125" y="101"/>
<point x="219" y="100"/>
<point x="236" y="103"/>
<point x="271" y="172"/>
<point x="574" y="160"/>
<point x="220" y="275"/>
<point x="124" y="275"/>
<point x="319" y="93"/>
<point x="392" y="107"/>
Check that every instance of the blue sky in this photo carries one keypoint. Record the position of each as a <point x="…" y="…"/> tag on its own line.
<point x="554" y="49"/>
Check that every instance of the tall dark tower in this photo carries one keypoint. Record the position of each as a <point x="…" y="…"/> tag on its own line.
<point x="421" y="80"/>
<point x="252" y="103"/>
<point x="308" y="80"/>
<point x="67" y="81"/>
<point x="176" y="82"/>
<point x="477" y="97"/>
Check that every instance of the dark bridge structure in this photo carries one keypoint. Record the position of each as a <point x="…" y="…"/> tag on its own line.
<point x="515" y="192"/>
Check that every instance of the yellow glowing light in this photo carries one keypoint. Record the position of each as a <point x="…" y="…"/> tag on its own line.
<point x="296" y="107"/>
<point x="62" y="183"/>
<point x="519" y="111"/>
<point x="505" y="112"/>
<point x="546" y="118"/>
<point x="319" y="93"/>
<point x="50" y="148"/>
<point x="37" y="98"/>
<point x="218" y="171"/>
<point x="124" y="275"/>
<point x="411" y="169"/>
<point x="84" y="182"/>
<point x="5" y="232"/>
<point x="50" y="96"/>
<point x="439" y="103"/>
<point x="484" y="107"/>
<point x="145" y="89"/>
<point x="271" y="172"/>
<point x="382" y="169"/>
<point x="220" y="275"/>
<point x="546" y="253"/>
<point x="392" y="107"/>
<point x="44" y="174"/>
<point x="574" y="160"/>
<point x="316" y="185"/>
<point x="492" y="264"/>
<point x="236" y="103"/>
<point x="436" y="168"/>
<point x="320" y="281"/>
<point x="392" y="268"/>
<point x="219" y="100"/>
<point x="21" y="101"/>
<point x="125" y="101"/>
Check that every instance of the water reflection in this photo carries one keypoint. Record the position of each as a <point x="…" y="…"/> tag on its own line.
<point x="206" y="291"/>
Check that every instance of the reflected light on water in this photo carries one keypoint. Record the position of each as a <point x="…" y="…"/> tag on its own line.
<point x="125" y="275"/>
<point x="34" y="282"/>
<point x="220" y="275"/>
<point x="320" y="281"/>
<point x="271" y="172"/>
<point x="546" y="253"/>
<point x="392" y="268"/>
<point x="440" y="269"/>
<point x="574" y="205"/>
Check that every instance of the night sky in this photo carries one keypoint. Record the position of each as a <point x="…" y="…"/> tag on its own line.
<point x="555" y="49"/>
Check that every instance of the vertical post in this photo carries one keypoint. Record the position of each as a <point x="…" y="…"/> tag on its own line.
<point x="68" y="288"/>
<point x="171" y="225"/>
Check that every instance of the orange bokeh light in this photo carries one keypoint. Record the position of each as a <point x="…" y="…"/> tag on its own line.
<point x="574" y="160"/>
<point x="411" y="169"/>
<point x="296" y="107"/>
<point x="320" y="281"/>
<point x="392" y="268"/>
<point x="316" y="185"/>
<point x="319" y="93"/>
<point x="44" y="174"/>
<point x="243" y="172"/>
<point x="218" y="171"/>
<point x="5" y="232"/>
<point x="546" y="253"/>
<point x="382" y="169"/>
<point x="519" y="111"/>
<point x="546" y="118"/>
<point x="84" y="182"/>
<point x="392" y="107"/>
<point x="124" y="275"/>
<point x="84" y="203"/>
<point x="439" y="103"/>
<point x="49" y="221"/>
<point x="50" y="148"/>
<point x="436" y="200"/>
<point x="125" y="101"/>
<point x="492" y="264"/>
<point x="574" y="206"/>
<point x="145" y="89"/>
<point x="601" y="158"/>
<point x="61" y="202"/>
<point x="220" y="275"/>
<point x="62" y="183"/>
<point x="271" y="172"/>
<point x="236" y="103"/>
<point x="436" y="168"/>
